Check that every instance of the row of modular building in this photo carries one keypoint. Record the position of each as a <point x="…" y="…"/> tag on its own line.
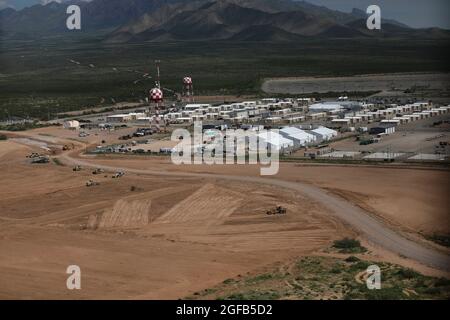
<point x="417" y="116"/>
<point x="385" y="114"/>
<point x="125" y="117"/>
<point x="270" y="111"/>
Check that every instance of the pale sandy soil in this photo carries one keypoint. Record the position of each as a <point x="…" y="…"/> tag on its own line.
<point x="414" y="199"/>
<point x="173" y="241"/>
<point x="401" y="141"/>
<point x="174" y="236"/>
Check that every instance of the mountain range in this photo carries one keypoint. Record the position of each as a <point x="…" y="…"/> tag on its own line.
<point x="120" y="21"/>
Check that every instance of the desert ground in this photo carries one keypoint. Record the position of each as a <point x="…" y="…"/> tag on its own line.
<point x="164" y="231"/>
<point x="397" y="81"/>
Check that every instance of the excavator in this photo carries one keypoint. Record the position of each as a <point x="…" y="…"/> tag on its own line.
<point x="92" y="183"/>
<point x="277" y="211"/>
<point x="67" y="147"/>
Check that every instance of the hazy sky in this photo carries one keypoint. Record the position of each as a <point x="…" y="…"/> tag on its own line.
<point x="416" y="13"/>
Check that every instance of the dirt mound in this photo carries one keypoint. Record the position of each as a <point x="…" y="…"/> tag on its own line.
<point x="209" y="205"/>
<point x="124" y="214"/>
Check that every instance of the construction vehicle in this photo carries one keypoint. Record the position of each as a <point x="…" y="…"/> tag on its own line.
<point x="77" y="168"/>
<point x="92" y="183"/>
<point x="118" y="175"/>
<point x="277" y="211"/>
<point x="67" y="147"/>
<point x="98" y="171"/>
<point x="40" y="159"/>
<point x="33" y="155"/>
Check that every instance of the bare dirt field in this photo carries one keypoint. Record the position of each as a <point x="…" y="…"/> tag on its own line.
<point x="415" y="199"/>
<point x="401" y="141"/>
<point x="166" y="239"/>
<point x="149" y="237"/>
<point x="360" y="83"/>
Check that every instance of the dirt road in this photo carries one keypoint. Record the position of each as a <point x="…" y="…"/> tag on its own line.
<point x="372" y="229"/>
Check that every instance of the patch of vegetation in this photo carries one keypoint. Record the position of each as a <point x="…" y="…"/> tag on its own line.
<point x="347" y="245"/>
<point x="443" y="240"/>
<point x="407" y="273"/>
<point x="22" y="126"/>
<point x="261" y="278"/>
<point x="352" y="259"/>
<point x="42" y="88"/>
<point x="58" y="162"/>
<point x="391" y="293"/>
<point x="254" y="295"/>
<point x="330" y="278"/>
<point x="228" y="281"/>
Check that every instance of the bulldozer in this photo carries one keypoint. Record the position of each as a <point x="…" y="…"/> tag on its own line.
<point x="118" y="175"/>
<point x="92" y="183"/>
<point x="67" y="147"/>
<point x="279" y="210"/>
<point x="33" y="155"/>
<point x="98" y="171"/>
<point x="40" y="159"/>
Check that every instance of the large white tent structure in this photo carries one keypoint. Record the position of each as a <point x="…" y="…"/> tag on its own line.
<point x="298" y="136"/>
<point x="71" y="125"/>
<point x="324" y="133"/>
<point x="326" y="107"/>
<point x="275" y="140"/>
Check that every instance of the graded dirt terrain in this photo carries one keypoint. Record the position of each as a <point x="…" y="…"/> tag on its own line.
<point x="154" y="236"/>
<point x="412" y="198"/>
<point x="399" y="81"/>
<point x="166" y="239"/>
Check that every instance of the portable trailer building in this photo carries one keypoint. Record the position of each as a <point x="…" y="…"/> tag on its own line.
<point x="341" y="121"/>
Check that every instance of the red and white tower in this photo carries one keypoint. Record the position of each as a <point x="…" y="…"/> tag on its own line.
<point x="188" y="89"/>
<point x="156" y="95"/>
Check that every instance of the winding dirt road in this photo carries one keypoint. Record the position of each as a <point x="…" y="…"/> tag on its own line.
<point x="375" y="231"/>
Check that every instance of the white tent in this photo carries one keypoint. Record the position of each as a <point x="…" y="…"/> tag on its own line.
<point x="276" y="140"/>
<point x="324" y="107"/>
<point x="73" y="125"/>
<point x="325" y="133"/>
<point x="299" y="136"/>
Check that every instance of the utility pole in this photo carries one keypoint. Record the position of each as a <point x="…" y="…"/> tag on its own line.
<point x="158" y="79"/>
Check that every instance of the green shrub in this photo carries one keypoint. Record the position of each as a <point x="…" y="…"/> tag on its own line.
<point x="228" y="281"/>
<point x="407" y="273"/>
<point x="443" y="240"/>
<point x="347" y="245"/>
<point x="352" y="259"/>
<point x="394" y="293"/>
<point x="442" y="282"/>
<point x="22" y="126"/>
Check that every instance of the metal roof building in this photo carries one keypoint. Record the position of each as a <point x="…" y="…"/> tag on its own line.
<point x="325" y="107"/>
